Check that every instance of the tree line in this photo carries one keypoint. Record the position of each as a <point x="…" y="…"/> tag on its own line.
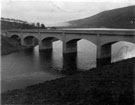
<point x="7" y="23"/>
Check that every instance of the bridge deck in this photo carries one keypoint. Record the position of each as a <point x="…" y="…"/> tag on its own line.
<point x="105" y="31"/>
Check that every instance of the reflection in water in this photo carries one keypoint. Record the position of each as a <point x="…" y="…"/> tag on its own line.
<point x="29" y="52"/>
<point x="25" y="68"/>
<point x="70" y="63"/>
<point x="45" y="56"/>
<point x="46" y="60"/>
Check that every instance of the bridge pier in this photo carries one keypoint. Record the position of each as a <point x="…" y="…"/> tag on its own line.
<point x="22" y="41"/>
<point x="70" y="47"/>
<point x="46" y="44"/>
<point x="103" y="55"/>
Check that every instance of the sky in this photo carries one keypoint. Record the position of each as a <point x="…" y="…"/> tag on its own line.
<point x="51" y="12"/>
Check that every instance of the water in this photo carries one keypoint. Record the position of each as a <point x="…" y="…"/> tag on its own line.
<point x="24" y="68"/>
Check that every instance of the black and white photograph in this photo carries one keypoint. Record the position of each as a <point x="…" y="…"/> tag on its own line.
<point x="67" y="52"/>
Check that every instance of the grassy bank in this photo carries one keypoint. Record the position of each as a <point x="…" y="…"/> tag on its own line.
<point x="9" y="45"/>
<point x="110" y="85"/>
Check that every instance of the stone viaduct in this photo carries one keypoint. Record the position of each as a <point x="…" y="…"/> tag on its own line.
<point x="102" y="38"/>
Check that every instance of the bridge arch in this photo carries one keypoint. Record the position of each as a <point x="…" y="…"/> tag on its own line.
<point x="15" y="37"/>
<point x="30" y="41"/>
<point x="91" y="38"/>
<point x="50" y="38"/>
<point x="71" y="45"/>
<point x="122" y="50"/>
<point x="105" y="53"/>
<point x="25" y="35"/>
<point x="47" y="43"/>
<point x="53" y="36"/>
<point x="13" y="34"/>
<point x="113" y="39"/>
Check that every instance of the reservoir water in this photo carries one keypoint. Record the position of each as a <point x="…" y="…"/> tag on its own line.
<point x="24" y="68"/>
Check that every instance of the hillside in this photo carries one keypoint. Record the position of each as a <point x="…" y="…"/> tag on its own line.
<point x="7" y="23"/>
<point x="110" y="85"/>
<point x="9" y="45"/>
<point x="116" y="18"/>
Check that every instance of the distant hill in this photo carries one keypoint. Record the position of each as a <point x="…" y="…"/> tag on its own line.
<point x="7" y="23"/>
<point x="116" y="18"/>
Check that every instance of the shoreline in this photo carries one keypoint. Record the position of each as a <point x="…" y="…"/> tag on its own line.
<point x="12" y="51"/>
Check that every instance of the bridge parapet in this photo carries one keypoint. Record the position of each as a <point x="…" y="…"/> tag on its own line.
<point x="102" y="32"/>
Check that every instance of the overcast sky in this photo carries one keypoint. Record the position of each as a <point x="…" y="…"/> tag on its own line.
<point x="55" y="11"/>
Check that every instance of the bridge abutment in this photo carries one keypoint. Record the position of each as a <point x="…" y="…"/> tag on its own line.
<point x="103" y="55"/>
